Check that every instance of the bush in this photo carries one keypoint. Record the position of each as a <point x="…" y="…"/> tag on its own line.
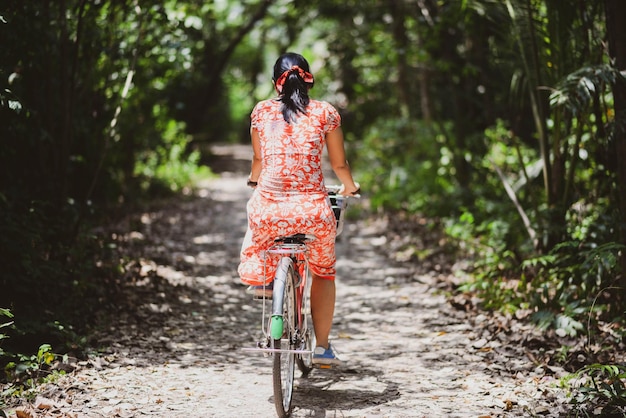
<point x="599" y="390"/>
<point x="403" y="165"/>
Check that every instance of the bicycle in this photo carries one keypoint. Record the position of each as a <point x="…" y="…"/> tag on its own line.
<point x="287" y="330"/>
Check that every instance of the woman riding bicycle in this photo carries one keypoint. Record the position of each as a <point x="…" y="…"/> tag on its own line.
<point x="288" y="136"/>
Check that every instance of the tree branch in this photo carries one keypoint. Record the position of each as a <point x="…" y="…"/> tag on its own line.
<point x="511" y="193"/>
<point x="222" y="60"/>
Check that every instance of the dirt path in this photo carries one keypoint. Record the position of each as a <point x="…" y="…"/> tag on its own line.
<point x="407" y="351"/>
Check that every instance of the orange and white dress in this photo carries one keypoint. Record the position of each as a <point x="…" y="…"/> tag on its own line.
<point x="290" y="197"/>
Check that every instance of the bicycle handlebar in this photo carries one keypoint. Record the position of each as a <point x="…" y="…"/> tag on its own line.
<point x="333" y="189"/>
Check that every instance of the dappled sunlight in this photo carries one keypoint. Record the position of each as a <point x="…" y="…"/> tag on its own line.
<point x="175" y="346"/>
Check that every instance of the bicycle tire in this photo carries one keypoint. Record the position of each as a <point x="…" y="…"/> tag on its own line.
<point x="305" y="361"/>
<point x="284" y="362"/>
<point x="307" y="335"/>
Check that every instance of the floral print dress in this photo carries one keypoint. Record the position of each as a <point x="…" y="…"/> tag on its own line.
<point x="290" y="197"/>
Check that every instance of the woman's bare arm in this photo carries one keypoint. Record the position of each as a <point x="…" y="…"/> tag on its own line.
<point x="338" y="162"/>
<point x="255" y="169"/>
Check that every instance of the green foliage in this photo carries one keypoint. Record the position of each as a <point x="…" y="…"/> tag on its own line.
<point x="565" y="283"/>
<point x="51" y="279"/>
<point x="170" y="166"/>
<point x="578" y="91"/>
<point x="403" y="166"/>
<point x="497" y="116"/>
<point x="565" y="287"/>
<point x="560" y="285"/>
<point x="491" y="232"/>
<point x="599" y="389"/>
<point x="79" y="136"/>
<point x="494" y="276"/>
<point x="9" y="101"/>
<point x="27" y="372"/>
<point x="7" y="313"/>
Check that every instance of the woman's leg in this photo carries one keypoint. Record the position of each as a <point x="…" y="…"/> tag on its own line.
<point x="322" y="308"/>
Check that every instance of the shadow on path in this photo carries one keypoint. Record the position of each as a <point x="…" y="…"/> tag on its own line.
<point x="174" y="348"/>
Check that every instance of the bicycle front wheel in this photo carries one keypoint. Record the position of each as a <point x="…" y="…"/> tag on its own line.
<point x="284" y="361"/>
<point x="304" y="361"/>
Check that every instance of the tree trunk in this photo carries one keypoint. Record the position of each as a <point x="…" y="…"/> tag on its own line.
<point x="402" y="46"/>
<point x="615" y="17"/>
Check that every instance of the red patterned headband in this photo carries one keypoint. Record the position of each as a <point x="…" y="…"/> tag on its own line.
<point x="304" y="75"/>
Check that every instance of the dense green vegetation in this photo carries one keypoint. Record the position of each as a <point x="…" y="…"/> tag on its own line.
<point x="502" y="119"/>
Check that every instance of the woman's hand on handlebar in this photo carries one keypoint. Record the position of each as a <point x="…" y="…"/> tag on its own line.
<point x="355" y="192"/>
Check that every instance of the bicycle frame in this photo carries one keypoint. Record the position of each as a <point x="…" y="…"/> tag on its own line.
<point x="297" y="254"/>
<point x="292" y="250"/>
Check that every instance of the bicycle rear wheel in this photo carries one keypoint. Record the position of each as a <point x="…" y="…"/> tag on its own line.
<point x="284" y="362"/>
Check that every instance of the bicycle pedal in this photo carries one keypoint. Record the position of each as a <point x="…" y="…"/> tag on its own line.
<point x="325" y="366"/>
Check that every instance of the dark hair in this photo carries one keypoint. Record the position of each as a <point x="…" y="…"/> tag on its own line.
<point x="295" y="92"/>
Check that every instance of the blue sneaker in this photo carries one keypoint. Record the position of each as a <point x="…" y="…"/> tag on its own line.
<point x="262" y="292"/>
<point x="325" y="357"/>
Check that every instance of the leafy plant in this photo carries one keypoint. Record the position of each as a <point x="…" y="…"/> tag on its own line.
<point x="494" y="278"/>
<point x="601" y="388"/>
<point x="8" y="314"/>
<point x="28" y="365"/>
<point x="170" y="166"/>
<point x="565" y="280"/>
<point x="26" y="372"/>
